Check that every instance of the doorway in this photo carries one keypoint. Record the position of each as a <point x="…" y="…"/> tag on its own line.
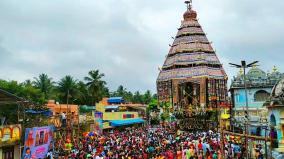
<point x="8" y="153"/>
<point x="189" y="94"/>
<point x="258" y="131"/>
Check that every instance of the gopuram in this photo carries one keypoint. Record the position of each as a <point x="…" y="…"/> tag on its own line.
<point x="192" y="79"/>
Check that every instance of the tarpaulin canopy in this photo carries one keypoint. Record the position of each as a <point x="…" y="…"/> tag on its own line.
<point x="115" y="100"/>
<point x="9" y="98"/>
<point x="126" y="122"/>
<point x="42" y="112"/>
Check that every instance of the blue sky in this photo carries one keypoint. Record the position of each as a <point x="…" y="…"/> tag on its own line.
<point x="129" y="39"/>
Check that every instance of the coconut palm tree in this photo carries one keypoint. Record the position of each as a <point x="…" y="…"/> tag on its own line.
<point x="83" y="93"/>
<point x="67" y="88"/>
<point x="147" y="97"/>
<point x="44" y="84"/>
<point x="96" y="86"/>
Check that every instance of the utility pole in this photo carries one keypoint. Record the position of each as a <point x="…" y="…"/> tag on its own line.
<point x="266" y="153"/>
<point x="244" y="66"/>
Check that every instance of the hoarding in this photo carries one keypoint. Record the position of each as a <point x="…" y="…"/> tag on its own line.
<point x="38" y="142"/>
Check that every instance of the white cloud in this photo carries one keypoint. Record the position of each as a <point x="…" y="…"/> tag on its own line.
<point x="128" y="40"/>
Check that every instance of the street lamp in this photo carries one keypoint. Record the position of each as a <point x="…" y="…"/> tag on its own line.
<point x="244" y="65"/>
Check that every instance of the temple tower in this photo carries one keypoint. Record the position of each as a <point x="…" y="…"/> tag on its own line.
<point x="192" y="77"/>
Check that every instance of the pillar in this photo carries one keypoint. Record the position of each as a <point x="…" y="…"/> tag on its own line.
<point x="1" y="155"/>
<point x="17" y="151"/>
<point x="203" y="86"/>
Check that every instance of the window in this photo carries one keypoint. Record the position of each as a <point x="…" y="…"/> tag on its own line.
<point x="261" y="96"/>
<point x="272" y="120"/>
<point x="237" y="97"/>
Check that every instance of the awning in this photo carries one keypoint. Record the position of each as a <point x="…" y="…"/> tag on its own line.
<point x="112" y="107"/>
<point x="9" y="98"/>
<point x="126" y="122"/>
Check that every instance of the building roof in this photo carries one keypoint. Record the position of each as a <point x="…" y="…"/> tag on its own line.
<point x="115" y="100"/>
<point x="256" y="73"/>
<point x="191" y="54"/>
<point x="59" y="108"/>
<point x="257" y="78"/>
<point x="9" y="98"/>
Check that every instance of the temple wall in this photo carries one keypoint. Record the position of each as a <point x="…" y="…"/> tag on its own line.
<point x="277" y="113"/>
<point x="240" y="98"/>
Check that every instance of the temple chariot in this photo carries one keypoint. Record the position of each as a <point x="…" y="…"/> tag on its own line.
<point x="192" y="79"/>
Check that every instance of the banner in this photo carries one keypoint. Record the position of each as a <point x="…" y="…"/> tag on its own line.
<point x="99" y="122"/>
<point x="38" y="142"/>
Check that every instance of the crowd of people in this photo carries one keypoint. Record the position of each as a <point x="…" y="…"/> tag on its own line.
<point x="152" y="143"/>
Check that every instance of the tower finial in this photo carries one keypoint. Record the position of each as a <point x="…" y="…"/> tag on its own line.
<point x="274" y="69"/>
<point x="189" y="14"/>
<point x="254" y="66"/>
<point x="241" y="71"/>
<point x="188" y="4"/>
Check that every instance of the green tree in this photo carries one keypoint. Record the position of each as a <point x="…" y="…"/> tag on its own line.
<point x="97" y="86"/>
<point x="44" y="84"/>
<point x="128" y="96"/>
<point x="147" y="97"/>
<point x="137" y="97"/>
<point x="27" y="83"/>
<point x="121" y="91"/>
<point x="155" y="96"/>
<point x="67" y="88"/>
<point x="83" y="94"/>
<point x="11" y="86"/>
<point x="32" y="93"/>
<point x="152" y="106"/>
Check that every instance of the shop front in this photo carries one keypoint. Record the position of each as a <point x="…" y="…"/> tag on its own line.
<point x="10" y="136"/>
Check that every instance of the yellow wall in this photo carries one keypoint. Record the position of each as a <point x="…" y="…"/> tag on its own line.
<point x="113" y="115"/>
<point x="117" y="115"/>
<point x="100" y="107"/>
<point x="106" y="125"/>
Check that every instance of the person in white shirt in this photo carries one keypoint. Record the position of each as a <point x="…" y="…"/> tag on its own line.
<point x="63" y="119"/>
<point x="49" y="155"/>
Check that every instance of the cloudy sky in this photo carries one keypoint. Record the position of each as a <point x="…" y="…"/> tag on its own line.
<point x="128" y="39"/>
